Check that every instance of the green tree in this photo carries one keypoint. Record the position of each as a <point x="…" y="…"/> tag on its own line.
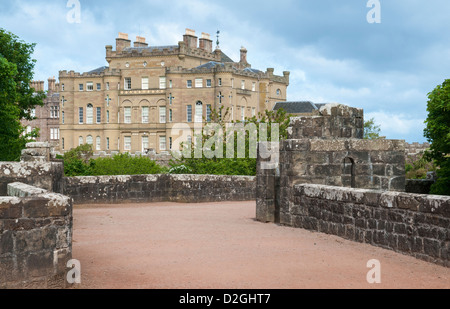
<point x="17" y="98"/>
<point x="437" y="132"/>
<point x="371" y="130"/>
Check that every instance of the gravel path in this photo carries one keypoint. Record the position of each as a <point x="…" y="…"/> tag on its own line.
<point x="221" y="246"/>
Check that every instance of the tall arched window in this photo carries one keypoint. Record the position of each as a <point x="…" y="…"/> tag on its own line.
<point x="98" y="143"/>
<point x="89" y="140"/>
<point x="80" y="141"/>
<point x="198" y="111"/>
<point x="90" y="114"/>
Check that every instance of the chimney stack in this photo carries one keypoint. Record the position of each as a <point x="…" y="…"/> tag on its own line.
<point x="37" y="85"/>
<point x="190" y="39"/>
<point x="52" y="84"/>
<point x="243" y="55"/>
<point x="140" y="42"/>
<point x="122" y="42"/>
<point x="206" y="42"/>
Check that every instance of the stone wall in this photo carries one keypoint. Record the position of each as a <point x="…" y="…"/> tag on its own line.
<point x="419" y="186"/>
<point x="35" y="238"/>
<point x="417" y="225"/>
<point x="160" y="188"/>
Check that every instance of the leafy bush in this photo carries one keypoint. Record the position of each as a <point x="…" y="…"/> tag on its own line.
<point x="418" y="169"/>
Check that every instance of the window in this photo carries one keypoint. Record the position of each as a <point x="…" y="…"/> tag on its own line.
<point x="162" y="143"/>
<point x="220" y="96"/>
<point x="127" y="142"/>
<point x="98" y="143"/>
<point x="107" y="86"/>
<point x="170" y="98"/>
<point x="189" y="113"/>
<point x="198" y="111"/>
<point x="144" y="83"/>
<point x="170" y="143"/>
<point x="89" y="114"/>
<point x="118" y="86"/>
<point x="162" y="83"/>
<point x="127" y="83"/>
<point x="145" y="114"/>
<point x="242" y="113"/>
<point x="54" y="133"/>
<point x="162" y="114"/>
<point x="170" y="115"/>
<point x="63" y="117"/>
<point x="208" y="113"/>
<point x="189" y="140"/>
<point x="90" y="86"/>
<point x="63" y="101"/>
<point x="80" y="141"/>
<point x="253" y="86"/>
<point x="220" y="82"/>
<point x="80" y="87"/>
<point x="107" y="143"/>
<point x="232" y="83"/>
<point x="107" y="100"/>
<point x="208" y="83"/>
<point x="198" y="83"/>
<point x="189" y="84"/>
<point x="62" y="143"/>
<point x="62" y="87"/>
<point x="144" y="143"/>
<point x="54" y="112"/>
<point x="243" y="84"/>
<point x="80" y="115"/>
<point x="127" y="114"/>
<point x="170" y="84"/>
<point x="99" y="86"/>
<point x="253" y="112"/>
<point x="278" y="92"/>
<point x="89" y="140"/>
<point x="99" y="114"/>
<point x="107" y="116"/>
<point x="33" y="113"/>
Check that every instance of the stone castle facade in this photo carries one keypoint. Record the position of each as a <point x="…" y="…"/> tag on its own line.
<point x="47" y="116"/>
<point x="133" y="104"/>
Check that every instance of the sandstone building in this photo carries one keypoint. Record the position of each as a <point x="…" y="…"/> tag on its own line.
<point x="47" y="116"/>
<point x="133" y="104"/>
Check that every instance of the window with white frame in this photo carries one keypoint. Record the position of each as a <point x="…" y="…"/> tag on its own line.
<point x="253" y="86"/>
<point x="162" y="82"/>
<point x="208" y="113"/>
<point x="89" y="86"/>
<point x="208" y="83"/>
<point x="189" y="84"/>
<point x="89" y="114"/>
<point x="145" y="110"/>
<point x="198" y="83"/>
<point x="144" y="143"/>
<point x="99" y="86"/>
<point x="80" y="87"/>
<point x="170" y="84"/>
<point x="253" y="112"/>
<point x="98" y="143"/>
<point x="242" y="113"/>
<point x="198" y="111"/>
<point x="189" y="113"/>
<point x="107" y="85"/>
<point x="80" y="115"/>
<point x="99" y="114"/>
<point x="127" y="114"/>
<point x="89" y="140"/>
<point x="243" y="84"/>
<point x="162" y="114"/>
<point x="80" y="141"/>
<point x="144" y="83"/>
<point x="127" y="143"/>
<point x="127" y="83"/>
<point x="54" y="133"/>
<point x="162" y="143"/>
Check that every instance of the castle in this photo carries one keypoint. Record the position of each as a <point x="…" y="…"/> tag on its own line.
<point x="135" y="103"/>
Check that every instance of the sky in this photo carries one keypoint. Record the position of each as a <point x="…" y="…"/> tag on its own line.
<point x="334" y="54"/>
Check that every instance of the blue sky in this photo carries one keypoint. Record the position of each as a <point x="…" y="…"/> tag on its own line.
<point x="332" y="52"/>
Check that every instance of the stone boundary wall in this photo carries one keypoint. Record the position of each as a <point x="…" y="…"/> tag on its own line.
<point x="46" y="175"/>
<point x="35" y="238"/>
<point x="412" y="224"/>
<point x="160" y="188"/>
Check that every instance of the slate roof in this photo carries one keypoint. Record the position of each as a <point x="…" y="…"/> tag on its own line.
<point x="225" y="58"/>
<point x="98" y="70"/>
<point x="210" y="65"/>
<point x="301" y="107"/>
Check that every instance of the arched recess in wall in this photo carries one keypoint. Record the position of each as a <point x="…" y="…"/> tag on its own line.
<point x="348" y="172"/>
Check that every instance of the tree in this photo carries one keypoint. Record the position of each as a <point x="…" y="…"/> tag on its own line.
<point x="437" y="132"/>
<point x="17" y="98"/>
<point x="371" y="130"/>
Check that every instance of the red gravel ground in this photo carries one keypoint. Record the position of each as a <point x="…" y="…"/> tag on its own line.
<point x="221" y="246"/>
